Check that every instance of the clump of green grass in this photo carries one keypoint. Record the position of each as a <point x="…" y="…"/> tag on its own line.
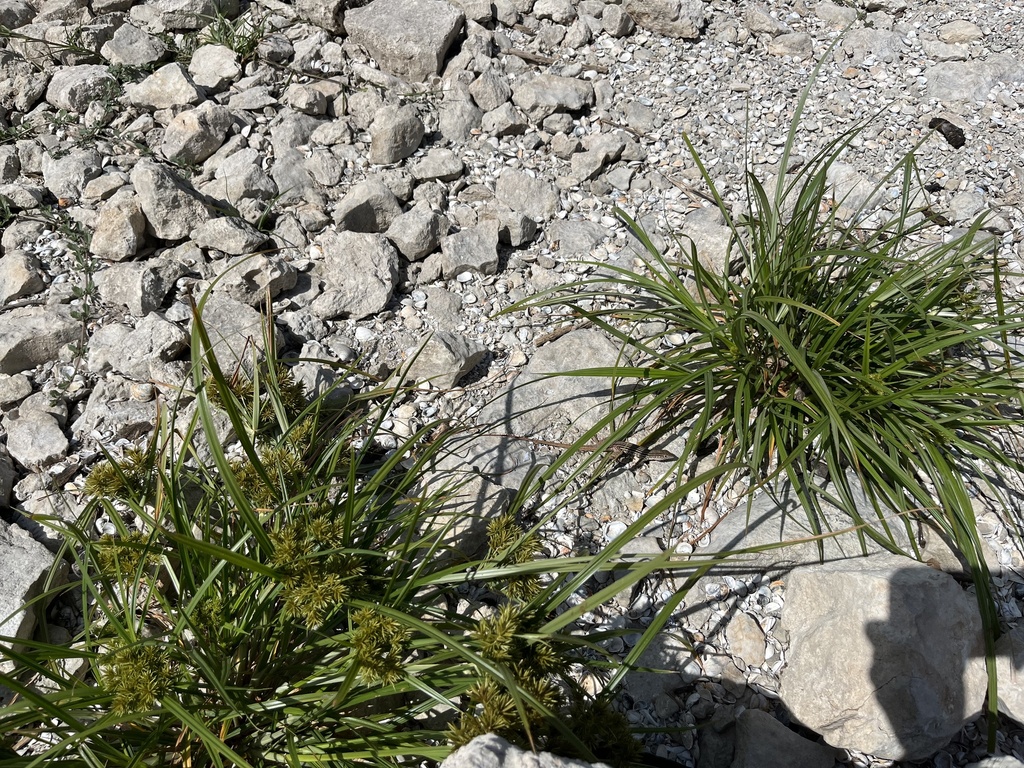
<point x="242" y="35"/>
<point x="294" y="600"/>
<point x="836" y="354"/>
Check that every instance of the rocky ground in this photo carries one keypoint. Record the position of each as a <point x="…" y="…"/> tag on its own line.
<point x="395" y="175"/>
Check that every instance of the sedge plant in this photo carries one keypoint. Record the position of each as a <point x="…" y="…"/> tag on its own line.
<point x="297" y="599"/>
<point x="865" y="354"/>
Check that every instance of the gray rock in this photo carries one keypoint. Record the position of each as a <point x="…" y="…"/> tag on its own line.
<point x="760" y="22"/>
<point x="137" y="353"/>
<point x="72" y="88"/>
<point x="536" y="400"/>
<point x="458" y="116"/>
<point x="934" y="49"/>
<point x="955" y="81"/>
<point x="251" y="279"/>
<point x="960" y="31"/>
<point x="796" y="44"/>
<point x="443" y="358"/>
<point x="852" y="190"/>
<point x="616" y="21"/>
<point x="133" y="47"/>
<point x="395" y="134"/>
<point x="885" y="655"/>
<point x="229" y="235"/>
<point x="361" y="272"/>
<point x="13" y="389"/>
<point x="545" y="95"/>
<point x="325" y="167"/>
<point x="514" y="228"/>
<point x="239" y="177"/>
<point x="417" y="232"/>
<point x="31" y="336"/>
<point x="474" y="248"/>
<point x="369" y="206"/>
<point x="329" y="14"/>
<point x="666" y="664"/>
<point x="746" y="639"/>
<point x="170" y="86"/>
<point x="490" y="90"/>
<point x="492" y="751"/>
<point x="66" y="175"/>
<point x="1004" y="761"/>
<point x="860" y="45"/>
<point x="534" y="197"/>
<point x="214" y="67"/>
<point x="965" y="206"/>
<point x="764" y="742"/>
<point x="172" y="207"/>
<point x="194" y="135"/>
<point x="114" y="407"/>
<point x="559" y="11"/>
<point x="120" y="228"/>
<point x="14" y="14"/>
<point x="20" y="275"/>
<point x="705" y="228"/>
<point x="439" y="163"/>
<point x="506" y="120"/>
<point x="575" y="237"/>
<point x="237" y="332"/>
<point x="408" y="38"/>
<point x="140" y="286"/>
<point x="672" y="18"/>
<point x="34" y="438"/>
<point x="305" y="99"/>
<point x="10" y="165"/>
<point x="837" y="16"/>
<point x="1009" y="666"/>
<point x="25" y="569"/>
<point x="183" y="14"/>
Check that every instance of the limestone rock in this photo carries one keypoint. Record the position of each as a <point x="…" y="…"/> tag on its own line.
<point x="473" y="248"/>
<point x="72" y="88"/>
<point x="764" y="742"/>
<point x="170" y="86"/>
<point x="545" y="95"/>
<point x="672" y="18"/>
<point x="172" y="207"/>
<point x="360" y="271"/>
<point x="956" y="81"/>
<point x="418" y="232"/>
<point x="140" y="286"/>
<point x="34" y="438"/>
<point x="229" y="235"/>
<point x="120" y="229"/>
<point x="24" y="569"/>
<point x="408" y="38"/>
<point x="443" y="358"/>
<point x="236" y="331"/>
<point x="536" y="400"/>
<point x="195" y="134"/>
<point x="133" y="47"/>
<point x="369" y="206"/>
<point x="250" y="279"/>
<point x="137" y="353"/>
<point x="395" y="134"/>
<point x="534" y="197"/>
<point x="491" y="751"/>
<point x="65" y="176"/>
<point x="885" y="655"/>
<point x="30" y="336"/>
<point x="214" y="67"/>
<point x="1010" y="669"/>
<point x="20" y="275"/>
